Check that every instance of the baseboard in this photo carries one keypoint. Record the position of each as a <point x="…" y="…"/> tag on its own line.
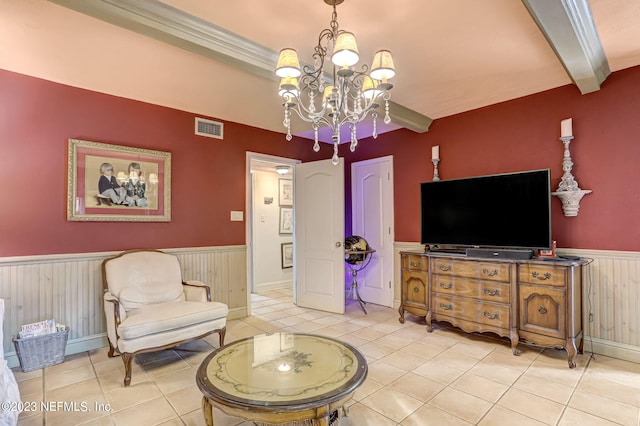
<point x="275" y="285"/>
<point x="611" y="349"/>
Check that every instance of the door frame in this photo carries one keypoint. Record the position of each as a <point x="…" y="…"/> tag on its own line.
<point x="248" y="220"/>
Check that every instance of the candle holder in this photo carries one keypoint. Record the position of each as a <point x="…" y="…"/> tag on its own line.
<point x="568" y="191"/>
<point x="435" y="162"/>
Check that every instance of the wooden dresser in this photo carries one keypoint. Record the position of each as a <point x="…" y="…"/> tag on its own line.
<point x="534" y="301"/>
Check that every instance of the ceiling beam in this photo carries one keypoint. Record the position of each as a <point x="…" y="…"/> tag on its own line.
<point x="570" y="30"/>
<point x="175" y="27"/>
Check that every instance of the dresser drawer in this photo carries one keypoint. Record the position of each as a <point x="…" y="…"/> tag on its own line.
<point x="415" y="262"/>
<point x="473" y="269"/>
<point x="542" y="275"/>
<point x="491" y="291"/>
<point x="493" y="314"/>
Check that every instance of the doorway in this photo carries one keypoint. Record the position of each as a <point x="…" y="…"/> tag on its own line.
<point x="269" y="237"/>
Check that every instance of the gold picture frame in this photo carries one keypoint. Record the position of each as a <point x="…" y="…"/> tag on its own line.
<point x="138" y="182"/>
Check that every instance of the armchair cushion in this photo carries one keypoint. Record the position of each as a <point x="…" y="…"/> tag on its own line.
<point x="163" y="317"/>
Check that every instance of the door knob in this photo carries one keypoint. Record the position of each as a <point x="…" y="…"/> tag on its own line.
<point x="338" y="244"/>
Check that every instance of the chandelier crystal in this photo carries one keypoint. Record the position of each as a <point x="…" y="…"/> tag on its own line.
<point x="345" y="95"/>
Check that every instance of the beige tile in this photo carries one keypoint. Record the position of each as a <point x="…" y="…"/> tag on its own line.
<point x="498" y="373"/>
<point x="424" y="350"/>
<point x="500" y="416"/>
<point x="185" y="400"/>
<point x="137" y="393"/>
<point x="174" y="381"/>
<point x="429" y="415"/>
<point x="481" y="387"/>
<point x="375" y="350"/>
<point x="360" y="415"/>
<point x="37" y="419"/>
<point x="367" y="388"/>
<point x="404" y="360"/>
<point x="384" y="373"/>
<point x="22" y="376"/>
<point x="460" y="404"/>
<point x="71" y="362"/>
<point x="601" y="406"/>
<point x="533" y="406"/>
<point x="438" y="372"/>
<point x="538" y="386"/>
<point x="573" y="417"/>
<point x="613" y="390"/>
<point x="33" y="386"/>
<point x="392" y="403"/>
<point x="417" y="387"/>
<point x="152" y="412"/>
<point x="455" y="360"/>
<point x="58" y="379"/>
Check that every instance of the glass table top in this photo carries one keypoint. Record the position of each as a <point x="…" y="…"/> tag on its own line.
<point x="282" y="369"/>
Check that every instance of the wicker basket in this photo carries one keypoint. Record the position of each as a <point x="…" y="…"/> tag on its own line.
<point x="41" y="351"/>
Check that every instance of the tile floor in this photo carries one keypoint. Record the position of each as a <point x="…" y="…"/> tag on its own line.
<point x="415" y="378"/>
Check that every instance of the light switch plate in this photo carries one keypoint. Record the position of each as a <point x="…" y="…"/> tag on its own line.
<point x="237" y="216"/>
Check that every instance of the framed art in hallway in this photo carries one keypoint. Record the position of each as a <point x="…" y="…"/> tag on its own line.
<point x="285" y="192"/>
<point x="117" y="183"/>
<point x="286" y="255"/>
<point x="286" y="220"/>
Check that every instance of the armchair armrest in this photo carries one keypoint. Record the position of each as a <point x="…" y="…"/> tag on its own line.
<point x="115" y="314"/>
<point x="196" y="291"/>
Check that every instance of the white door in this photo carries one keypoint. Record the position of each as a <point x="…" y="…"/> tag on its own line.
<point x="372" y="219"/>
<point x="319" y="231"/>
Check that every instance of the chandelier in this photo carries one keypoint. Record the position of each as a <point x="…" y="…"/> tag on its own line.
<point x="343" y="96"/>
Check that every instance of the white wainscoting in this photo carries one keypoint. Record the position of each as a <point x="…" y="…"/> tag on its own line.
<point x="68" y="288"/>
<point x="611" y="299"/>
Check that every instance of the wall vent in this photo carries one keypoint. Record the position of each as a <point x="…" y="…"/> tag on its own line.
<point x="210" y="129"/>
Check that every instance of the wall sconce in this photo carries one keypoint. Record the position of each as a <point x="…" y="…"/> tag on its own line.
<point x="435" y="159"/>
<point x="282" y="170"/>
<point x="568" y="191"/>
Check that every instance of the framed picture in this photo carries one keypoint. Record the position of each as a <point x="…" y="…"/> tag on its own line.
<point x="286" y="255"/>
<point x="117" y="183"/>
<point x="285" y="192"/>
<point x="286" y="220"/>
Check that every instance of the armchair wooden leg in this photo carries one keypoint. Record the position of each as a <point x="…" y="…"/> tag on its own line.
<point x="127" y="358"/>
<point x="222" y="333"/>
<point x="111" y="352"/>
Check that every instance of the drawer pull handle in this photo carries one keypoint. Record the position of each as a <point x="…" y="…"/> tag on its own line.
<point x="542" y="310"/>
<point x="488" y="315"/>
<point x="445" y="267"/>
<point x="415" y="264"/>
<point x="416" y="289"/>
<point x="446" y="307"/>
<point x="546" y="276"/>
<point x="446" y="286"/>
<point x="492" y="293"/>
<point x="490" y="273"/>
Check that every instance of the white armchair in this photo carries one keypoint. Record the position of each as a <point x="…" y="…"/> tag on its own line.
<point x="149" y="308"/>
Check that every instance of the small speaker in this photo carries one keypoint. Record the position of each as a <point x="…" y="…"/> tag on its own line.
<point x="513" y="254"/>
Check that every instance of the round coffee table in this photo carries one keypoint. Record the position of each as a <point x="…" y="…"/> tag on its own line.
<point x="281" y="378"/>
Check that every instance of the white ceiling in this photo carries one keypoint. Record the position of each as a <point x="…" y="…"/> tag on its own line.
<point x="451" y="56"/>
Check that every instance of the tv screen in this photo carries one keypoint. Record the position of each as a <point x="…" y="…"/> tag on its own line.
<point x="505" y="210"/>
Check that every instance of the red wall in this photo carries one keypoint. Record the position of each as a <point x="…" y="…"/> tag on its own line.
<point x="523" y="134"/>
<point x="37" y="117"/>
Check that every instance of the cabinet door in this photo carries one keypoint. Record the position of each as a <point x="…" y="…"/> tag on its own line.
<point x="415" y="289"/>
<point x="542" y="310"/>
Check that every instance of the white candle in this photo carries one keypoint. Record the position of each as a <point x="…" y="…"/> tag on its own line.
<point x="435" y="152"/>
<point x="566" y="127"/>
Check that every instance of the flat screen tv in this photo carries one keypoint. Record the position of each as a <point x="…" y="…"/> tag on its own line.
<point x="510" y="210"/>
